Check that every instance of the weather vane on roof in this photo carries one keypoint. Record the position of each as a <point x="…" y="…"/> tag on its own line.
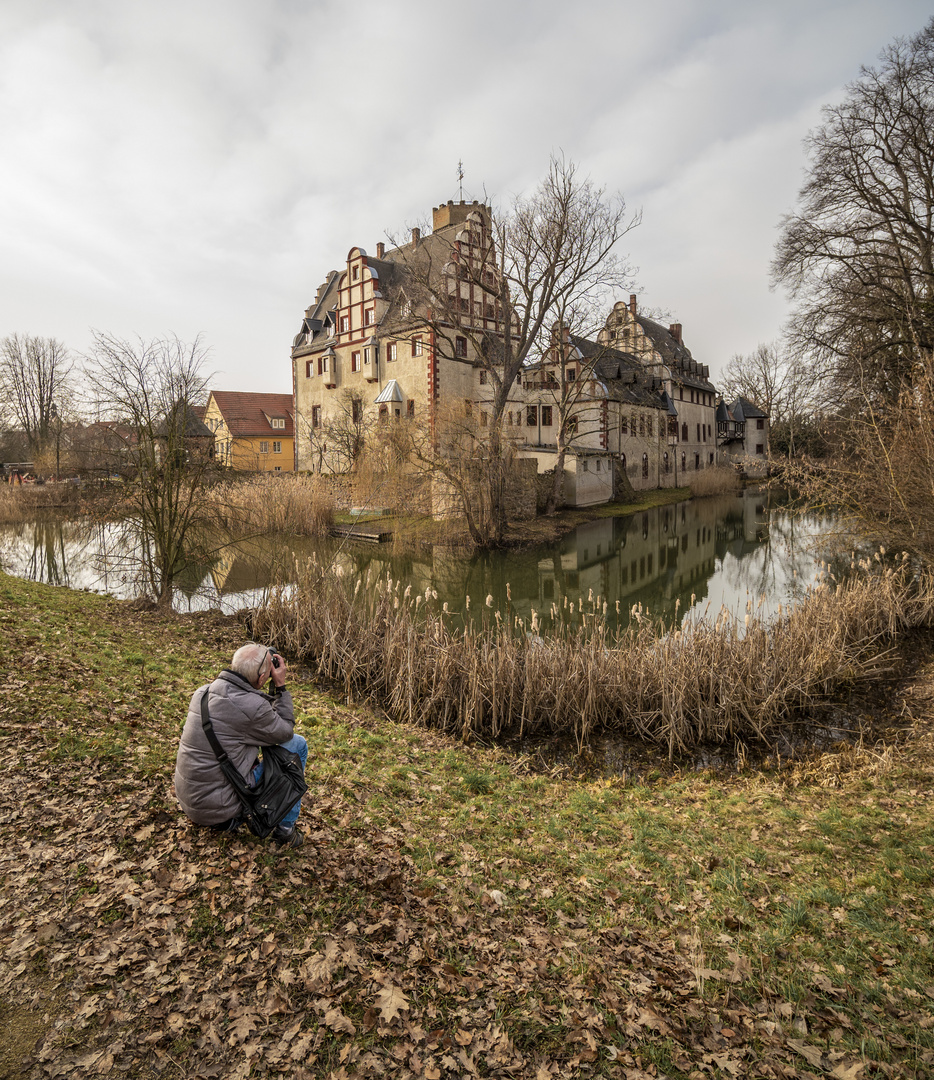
<point x="460" y="179"/>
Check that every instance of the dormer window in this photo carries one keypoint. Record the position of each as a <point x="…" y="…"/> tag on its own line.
<point x="356" y="273"/>
<point x="278" y="422"/>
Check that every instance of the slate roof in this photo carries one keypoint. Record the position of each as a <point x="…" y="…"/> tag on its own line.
<point x="743" y="409"/>
<point x="677" y="356"/>
<point x="248" y="415"/>
<point x="193" y="427"/>
<point x="400" y="276"/>
<point x="625" y="378"/>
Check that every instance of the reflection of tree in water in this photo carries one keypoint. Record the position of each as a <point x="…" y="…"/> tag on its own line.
<point x="47" y="550"/>
<point x="781" y="565"/>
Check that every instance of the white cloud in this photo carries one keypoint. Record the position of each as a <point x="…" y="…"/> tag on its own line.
<point x="200" y="165"/>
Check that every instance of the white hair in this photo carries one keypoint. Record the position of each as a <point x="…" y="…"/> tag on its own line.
<point x="249" y="661"/>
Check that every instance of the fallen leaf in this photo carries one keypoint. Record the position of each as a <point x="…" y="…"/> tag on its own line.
<point x="390" y="1000"/>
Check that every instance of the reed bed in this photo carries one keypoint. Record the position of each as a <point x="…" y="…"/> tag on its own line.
<point x="718" y="481"/>
<point x="20" y="503"/>
<point x="717" y="679"/>
<point x="262" y="505"/>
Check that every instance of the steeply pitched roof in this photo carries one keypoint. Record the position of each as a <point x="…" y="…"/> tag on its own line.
<point x="623" y="375"/>
<point x="185" y="422"/>
<point x="743" y="409"/>
<point x="249" y="415"/>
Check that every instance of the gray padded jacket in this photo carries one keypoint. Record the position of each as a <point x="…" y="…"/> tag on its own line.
<point x="244" y="719"/>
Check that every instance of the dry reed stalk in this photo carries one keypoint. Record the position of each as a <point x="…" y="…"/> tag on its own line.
<point x="718" y="481"/>
<point x="269" y="504"/>
<point x="711" y="681"/>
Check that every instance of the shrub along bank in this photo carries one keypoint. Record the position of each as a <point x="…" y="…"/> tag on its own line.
<point x="453" y="913"/>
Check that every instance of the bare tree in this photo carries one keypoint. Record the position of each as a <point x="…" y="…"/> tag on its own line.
<point x="858" y="254"/>
<point x="549" y="260"/>
<point x="345" y="432"/>
<point x="148" y="391"/>
<point x="882" y="475"/>
<point x="35" y="386"/>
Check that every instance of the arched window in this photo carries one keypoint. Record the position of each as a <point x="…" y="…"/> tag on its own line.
<point x="667" y="464"/>
<point x="645" y="466"/>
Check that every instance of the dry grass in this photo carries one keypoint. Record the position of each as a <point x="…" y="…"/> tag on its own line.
<point x="720" y="481"/>
<point x="722" y="679"/>
<point x="262" y="505"/>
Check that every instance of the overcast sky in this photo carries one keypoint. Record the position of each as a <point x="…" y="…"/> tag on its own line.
<point x="197" y="166"/>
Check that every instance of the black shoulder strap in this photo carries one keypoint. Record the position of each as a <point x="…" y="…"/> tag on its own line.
<point x="237" y="782"/>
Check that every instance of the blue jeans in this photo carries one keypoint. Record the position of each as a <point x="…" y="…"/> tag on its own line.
<point x="297" y="745"/>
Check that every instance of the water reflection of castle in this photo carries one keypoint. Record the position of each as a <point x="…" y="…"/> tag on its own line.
<point x="660" y="558"/>
<point x="655" y="557"/>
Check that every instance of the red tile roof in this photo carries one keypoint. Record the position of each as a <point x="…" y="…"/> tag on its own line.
<point x="250" y="414"/>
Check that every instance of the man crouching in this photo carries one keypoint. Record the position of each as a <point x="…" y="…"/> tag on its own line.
<point x="244" y="718"/>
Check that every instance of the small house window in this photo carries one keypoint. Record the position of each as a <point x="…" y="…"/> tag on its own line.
<point x="416" y="346"/>
<point x="391" y="351"/>
<point x="355" y="360"/>
<point x="369" y="317"/>
<point x="322" y="365"/>
<point x="277" y="447"/>
<point x="645" y="466"/>
<point x="482" y="378"/>
<point x="356" y="410"/>
<point x="410" y="409"/>
<point x="264" y="447"/>
<point x="760" y="424"/>
<point x="584" y="465"/>
<point x="546" y="415"/>
<point x="531" y="416"/>
<point x="345" y="323"/>
<point x="760" y="449"/>
<point x="316" y="416"/>
<point x="460" y="346"/>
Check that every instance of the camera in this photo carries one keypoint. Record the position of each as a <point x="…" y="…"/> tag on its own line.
<point x="275" y="660"/>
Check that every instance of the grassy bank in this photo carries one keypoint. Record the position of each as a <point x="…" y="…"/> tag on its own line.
<point x="453" y="914"/>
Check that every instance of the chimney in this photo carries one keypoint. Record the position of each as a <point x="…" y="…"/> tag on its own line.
<point x="675" y="331"/>
<point x="380" y="250"/>
<point x="632" y="304"/>
<point x="416" y="236"/>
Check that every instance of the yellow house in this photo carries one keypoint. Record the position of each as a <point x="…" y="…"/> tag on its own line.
<point x="252" y="432"/>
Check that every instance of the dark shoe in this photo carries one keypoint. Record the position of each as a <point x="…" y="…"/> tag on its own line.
<point x="292" y="838"/>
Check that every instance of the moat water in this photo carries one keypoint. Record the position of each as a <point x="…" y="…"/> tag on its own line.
<point x="741" y="552"/>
